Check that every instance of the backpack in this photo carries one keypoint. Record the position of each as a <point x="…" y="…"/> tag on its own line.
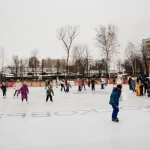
<point x="113" y="98"/>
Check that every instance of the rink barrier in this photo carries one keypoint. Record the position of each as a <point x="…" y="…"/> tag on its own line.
<point x="73" y="83"/>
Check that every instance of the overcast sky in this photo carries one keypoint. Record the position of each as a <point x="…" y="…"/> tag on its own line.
<point x="31" y="24"/>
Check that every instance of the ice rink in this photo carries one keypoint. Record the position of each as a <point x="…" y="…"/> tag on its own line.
<point x="74" y="121"/>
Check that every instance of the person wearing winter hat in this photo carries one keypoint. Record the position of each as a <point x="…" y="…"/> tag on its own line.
<point x="4" y="89"/>
<point x="17" y="87"/>
<point x="24" y="91"/>
<point x="114" y="101"/>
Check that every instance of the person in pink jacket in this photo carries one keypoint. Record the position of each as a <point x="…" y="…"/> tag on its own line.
<point x="79" y="85"/>
<point x="17" y="87"/>
<point x="24" y="91"/>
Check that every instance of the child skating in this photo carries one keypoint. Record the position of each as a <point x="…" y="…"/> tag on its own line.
<point x="17" y="87"/>
<point x="49" y="93"/>
<point x="62" y="84"/>
<point x="114" y="101"/>
<point x="67" y="87"/>
<point x="4" y="89"/>
<point x="24" y="92"/>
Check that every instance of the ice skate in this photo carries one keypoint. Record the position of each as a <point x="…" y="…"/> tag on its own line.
<point x="115" y="120"/>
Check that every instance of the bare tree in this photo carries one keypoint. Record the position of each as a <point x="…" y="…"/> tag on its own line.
<point x="145" y="53"/>
<point x="23" y="65"/>
<point x="101" y="66"/>
<point x="119" y="65"/>
<point x="58" y="65"/>
<point x="81" y="55"/>
<point x="16" y="63"/>
<point x="106" y="40"/>
<point x="34" y="62"/>
<point x="42" y="66"/>
<point x="50" y="64"/>
<point x="131" y="54"/>
<point x="67" y="35"/>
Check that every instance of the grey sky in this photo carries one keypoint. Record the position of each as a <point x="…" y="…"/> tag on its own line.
<point x="29" y="24"/>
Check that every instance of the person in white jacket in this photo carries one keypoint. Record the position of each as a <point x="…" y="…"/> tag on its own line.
<point x="17" y="87"/>
<point x="102" y="82"/>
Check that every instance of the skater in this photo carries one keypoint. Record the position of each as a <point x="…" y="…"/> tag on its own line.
<point x="57" y="82"/>
<point x="79" y="85"/>
<point x="17" y="87"/>
<point x="114" y="82"/>
<point x="148" y="89"/>
<point x="145" y="84"/>
<point x="4" y="89"/>
<point x="49" y="93"/>
<point x="83" y="84"/>
<point x="102" y="82"/>
<point x="24" y="92"/>
<point x="129" y="82"/>
<point x="47" y="82"/>
<point x="89" y="82"/>
<point x="141" y="89"/>
<point x="93" y="82"/>
<point x="138" y="89"/>
<point x="114" y="101"/>
<point x="67" y="87"/>
<point x="62" y="84"/>
<point x="133" y="84"/>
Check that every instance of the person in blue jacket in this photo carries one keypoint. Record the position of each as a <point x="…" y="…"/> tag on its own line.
<point x="114" y="101"/>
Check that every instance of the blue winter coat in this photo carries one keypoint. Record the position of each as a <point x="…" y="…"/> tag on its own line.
<point x="118" y="94"/>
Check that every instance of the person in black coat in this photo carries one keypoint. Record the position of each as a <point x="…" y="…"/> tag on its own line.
<point x="4" y="89"/>
<point x="93" y="82"/>
<point x="141" y="89"/>
<point x="129" y="82"/>
<point x="145" y="84"/>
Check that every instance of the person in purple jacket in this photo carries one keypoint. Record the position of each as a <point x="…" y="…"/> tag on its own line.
<point x="24" y="91"/>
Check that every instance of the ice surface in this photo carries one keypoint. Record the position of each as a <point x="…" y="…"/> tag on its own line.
<point x="74" y="121"/>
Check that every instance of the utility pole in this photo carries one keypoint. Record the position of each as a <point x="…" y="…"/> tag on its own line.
<point x="2" y="55"/>
<point x="2" y="52"/>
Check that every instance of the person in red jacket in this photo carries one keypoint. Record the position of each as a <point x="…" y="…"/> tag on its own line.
<point x="79" y="85"/>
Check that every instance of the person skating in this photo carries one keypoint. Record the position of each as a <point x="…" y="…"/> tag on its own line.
<point x="47" y="82"/>
<point x="102" y="82"/>
<point x="133" y="83"/>
<point x="79" y="85"/>
<point x="83" y="84"/>
<point x="141" y="89"/>
<point x="89" y="82"/>
<point x="114" y="101"/>
<point x="67" y="87"/>
<point x="148" y="89"/>
<point x="49" y="93"/>
<point x="145" y="84"/>
<point x="129" y="82"/>
<point x="17" y="87"/>
<point x="62" y="84"/>
<point x="57" y="82"/>
<point x="114" y="81"/>
<point x="93" y="82"/>
<point x="4" y="89"/>
<point x="24" y="91"/>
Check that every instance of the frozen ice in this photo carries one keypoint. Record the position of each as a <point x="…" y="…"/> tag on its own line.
<point x="74" y="121"/>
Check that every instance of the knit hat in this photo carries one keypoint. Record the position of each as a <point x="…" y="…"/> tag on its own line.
<point x="119" y="86"/>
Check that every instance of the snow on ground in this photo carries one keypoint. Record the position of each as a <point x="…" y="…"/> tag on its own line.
<point x="74" y="121"/>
